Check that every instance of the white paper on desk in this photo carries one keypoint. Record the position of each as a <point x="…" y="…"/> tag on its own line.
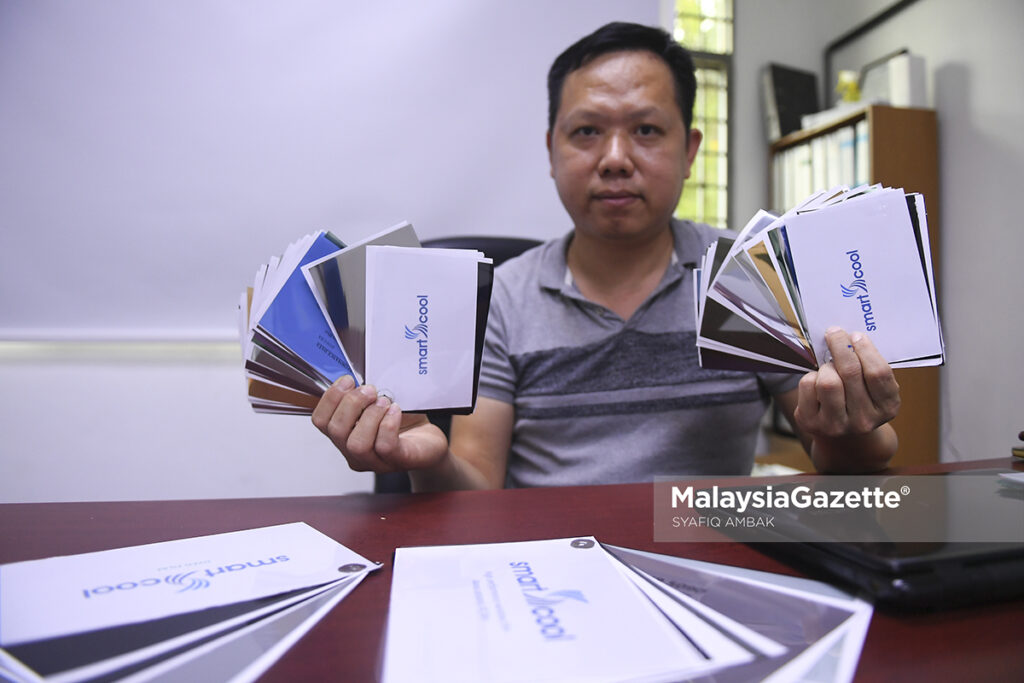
<point x="717" y="625"/>
<point x="725" y="646"/>
<point x="58" y="596"/>
<point x="121" y="650"/>
<point x="244" y="654"/>
<point x="534" y="610"/>
<point x="859" y="268"/>
<point x="421" y="325"/>
<point x="833" y="658"/>
<point x="821" y="627"/>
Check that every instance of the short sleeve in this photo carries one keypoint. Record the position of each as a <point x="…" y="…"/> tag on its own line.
<point x="497" y="379"/>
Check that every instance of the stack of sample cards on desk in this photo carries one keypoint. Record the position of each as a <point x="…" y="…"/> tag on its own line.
<point x="220" y="607"/>
<point x="856" y="259"/>
<point x="574" y="609"/>
<point x="406" y="319"/>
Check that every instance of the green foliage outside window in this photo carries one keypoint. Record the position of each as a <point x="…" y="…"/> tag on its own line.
<point x="705" y="28"/>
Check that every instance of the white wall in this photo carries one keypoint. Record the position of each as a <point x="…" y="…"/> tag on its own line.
<point x="154" y="153"/>
<point x="973" y="53"/>
<point x="141" y="421"/>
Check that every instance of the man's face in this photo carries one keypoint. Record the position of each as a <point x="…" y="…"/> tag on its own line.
<point x="619" y="149"/>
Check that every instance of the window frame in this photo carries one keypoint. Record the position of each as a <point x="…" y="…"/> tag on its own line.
<point x="722" y="63"/>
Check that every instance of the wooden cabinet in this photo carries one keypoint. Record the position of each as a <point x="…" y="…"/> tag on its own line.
<point x="896" y="147"/>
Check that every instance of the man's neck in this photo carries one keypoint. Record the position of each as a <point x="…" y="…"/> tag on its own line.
<point x="619" y="275"/>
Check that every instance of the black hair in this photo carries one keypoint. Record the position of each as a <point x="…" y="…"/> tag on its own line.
<point x="623" y="37"/>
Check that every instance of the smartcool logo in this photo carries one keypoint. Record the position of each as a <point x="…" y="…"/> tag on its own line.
<point x="859" y="284"/>
<point x="542" y="602"/>
<point x="188" y="581"/>
<point x="418" y="333"/>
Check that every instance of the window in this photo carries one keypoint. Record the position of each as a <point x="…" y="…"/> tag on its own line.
<point x="704" y="27"/>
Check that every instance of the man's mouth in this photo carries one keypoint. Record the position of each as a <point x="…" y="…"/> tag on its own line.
<point x="616" y="198"/>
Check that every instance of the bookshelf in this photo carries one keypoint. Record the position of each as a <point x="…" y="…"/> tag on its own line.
<point x="897" y="147"/>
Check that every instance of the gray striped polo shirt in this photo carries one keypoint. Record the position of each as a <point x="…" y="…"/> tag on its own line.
<point x="600" y="400"/>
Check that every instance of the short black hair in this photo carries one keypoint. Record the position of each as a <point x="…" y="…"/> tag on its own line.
<point x="623" y="37"/>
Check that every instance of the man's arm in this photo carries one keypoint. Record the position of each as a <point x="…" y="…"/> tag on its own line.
<point x="841" y="411"/>
<point x="478" y="455"/>
<point x="374" y="435"/>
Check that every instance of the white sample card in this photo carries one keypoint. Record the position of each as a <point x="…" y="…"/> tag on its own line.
<point x="554" y="610"/>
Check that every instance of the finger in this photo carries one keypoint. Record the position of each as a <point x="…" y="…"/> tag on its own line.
<point x="329" y="402"/>
<point x="807" y="405"/>
<point x="879" y="379"/>
<point x="847" y="365"/>
<point x="346" y="417"/>
<point x="343" y="423"/>
<point x="832" y="413"/>
<point x="387" y="445"/>
<point x="363" y="435"/>
<point x="844" y="357"/>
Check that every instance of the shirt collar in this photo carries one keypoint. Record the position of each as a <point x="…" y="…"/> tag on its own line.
<point x="686" y="253"/>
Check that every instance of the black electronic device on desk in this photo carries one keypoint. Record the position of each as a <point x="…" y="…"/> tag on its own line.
<point x="927" y="575"/>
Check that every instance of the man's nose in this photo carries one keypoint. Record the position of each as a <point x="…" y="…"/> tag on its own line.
<point x="616" y="155"/>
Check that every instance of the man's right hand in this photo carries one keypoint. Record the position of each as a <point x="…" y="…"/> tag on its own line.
<point x="372" y="432"/>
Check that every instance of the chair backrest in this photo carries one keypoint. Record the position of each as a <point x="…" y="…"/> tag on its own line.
<point x="499" y="250"/>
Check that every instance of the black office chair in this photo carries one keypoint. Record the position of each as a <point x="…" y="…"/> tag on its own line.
<point x="499" y="250"/>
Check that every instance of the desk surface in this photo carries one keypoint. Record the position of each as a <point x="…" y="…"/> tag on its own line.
<point x="977" y="643"/>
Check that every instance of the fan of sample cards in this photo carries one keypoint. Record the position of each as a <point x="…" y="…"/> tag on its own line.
<point x="406" y="319"/>
<point x="221" y="607"/>
<point x="856" y="259"/>
<point x="574" y="609"/>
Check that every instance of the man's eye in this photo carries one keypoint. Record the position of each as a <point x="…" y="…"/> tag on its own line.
<point x="646" y="130"/>
<point x="586" y="131"/>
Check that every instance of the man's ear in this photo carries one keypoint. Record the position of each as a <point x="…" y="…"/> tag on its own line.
<point x="547" y="142"/>
<point x="692" y="145"/>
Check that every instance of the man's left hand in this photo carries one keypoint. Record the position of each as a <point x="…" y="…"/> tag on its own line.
<point x="842" y="409"/>
<point x="852" y="394"/>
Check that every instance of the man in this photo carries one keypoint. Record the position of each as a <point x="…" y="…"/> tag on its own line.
<point x="590" y="372"/>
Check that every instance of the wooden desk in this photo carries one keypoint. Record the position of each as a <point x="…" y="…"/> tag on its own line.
<point x="978" y="643"/>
